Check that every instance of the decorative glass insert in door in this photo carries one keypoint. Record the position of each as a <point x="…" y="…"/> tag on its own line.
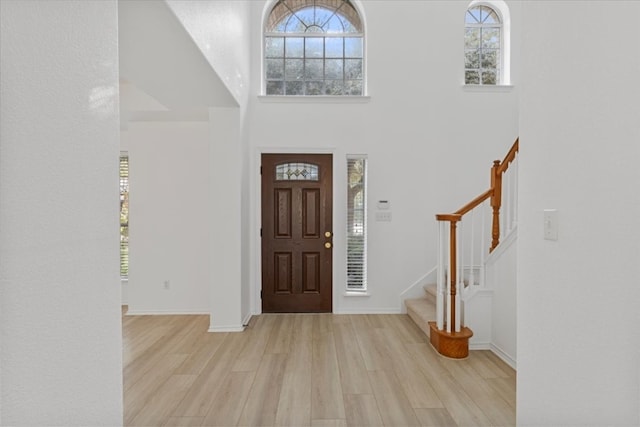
<point x="297" y="172"/>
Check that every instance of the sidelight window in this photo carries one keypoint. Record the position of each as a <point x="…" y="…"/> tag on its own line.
<point x="124" y="215"/>
<point x="356" y="224"/>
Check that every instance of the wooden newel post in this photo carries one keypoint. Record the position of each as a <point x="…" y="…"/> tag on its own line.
<point x="496" y="202"/>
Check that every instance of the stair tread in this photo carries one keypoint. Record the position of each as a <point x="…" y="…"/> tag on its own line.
<point x="421" y="311"/>
<point x="421" y="307"/>
<point x="431" y="289"/>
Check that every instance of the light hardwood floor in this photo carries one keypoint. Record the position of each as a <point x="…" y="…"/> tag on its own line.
<point x="306" y="370"/>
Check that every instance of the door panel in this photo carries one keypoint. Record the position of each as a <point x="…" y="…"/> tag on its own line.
<point x="297" y="232"/>
<point x="283" y="213"/>
<point x="311" y="213"/>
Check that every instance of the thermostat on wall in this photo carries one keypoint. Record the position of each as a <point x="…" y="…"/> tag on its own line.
<point x="384" y="204"/>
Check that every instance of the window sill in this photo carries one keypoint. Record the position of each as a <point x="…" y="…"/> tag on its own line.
<point x="356" y="294"/>
<point x="487" y="88"/>
<point x="312" y="99"/>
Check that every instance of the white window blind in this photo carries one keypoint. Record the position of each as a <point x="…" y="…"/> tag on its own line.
<point x="124" y="215"/>
<point x="356" y="224"/>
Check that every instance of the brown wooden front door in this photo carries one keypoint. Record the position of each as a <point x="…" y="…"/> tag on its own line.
<point x="297" y="233"/>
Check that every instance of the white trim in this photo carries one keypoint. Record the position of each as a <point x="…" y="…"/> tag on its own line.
<point x="505" y="244"/>
<point x="247" y="319"/>
<point x="504" y="356"/>
<point x="487" y="88"/>
<point x="353" y="293"/>
<point x="495" y="350"/>
<point x="166" y="312"/>
<point x="313" y="99"/>
<point x="480" y="346"/>
<point x="476" y="291"/>
<point x="383" y="310"/>
<point x="226" y="329"/>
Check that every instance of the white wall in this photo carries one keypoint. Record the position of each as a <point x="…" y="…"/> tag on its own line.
<point x="217" y="33"/>
<point x="169" y="217"/>
<point x="60" y="293"/>
<point x="578" y="317"/>
<point x="158" y="55"/>
<point x="226" y="220"/>
<point x="221" y="31"/>
<point x="502" y="278"/>
<point x="420" y="130"/>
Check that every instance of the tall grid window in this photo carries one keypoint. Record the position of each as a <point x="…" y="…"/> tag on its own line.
<point x="124" y="215"/>
<point x="482" y="46"/>
<point x="356" y="224"/>
<point x="313" y="47"/>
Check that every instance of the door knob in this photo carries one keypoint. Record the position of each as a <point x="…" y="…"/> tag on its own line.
<point x="327" y="234"/>
<point x="327" y="245"/>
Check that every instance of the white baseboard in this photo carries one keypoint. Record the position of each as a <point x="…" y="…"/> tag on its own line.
<point x="504" y="356"/>
<point x="495" y="350"/>
<point x="226" y="329"/>
<point x="247" y="319"/>
<point x="165" y="312"/>
<point x="480" y="346"/>
<point x="388" y="310"/>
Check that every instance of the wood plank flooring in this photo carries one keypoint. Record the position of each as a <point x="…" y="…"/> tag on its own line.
<point x="306" y="370"/>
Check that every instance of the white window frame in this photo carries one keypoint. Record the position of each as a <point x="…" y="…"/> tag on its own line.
<point x="502" y="10"/>
<point x="330" y="98"/>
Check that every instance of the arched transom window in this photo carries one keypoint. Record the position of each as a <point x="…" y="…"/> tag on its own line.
<point x="482" y="46"/>
<point x="313" y="47"/>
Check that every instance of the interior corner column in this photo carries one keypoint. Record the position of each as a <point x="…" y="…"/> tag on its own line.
<point x="225" y="157"/>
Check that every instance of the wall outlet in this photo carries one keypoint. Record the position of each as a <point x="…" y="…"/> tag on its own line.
<point x="166" y="285"/>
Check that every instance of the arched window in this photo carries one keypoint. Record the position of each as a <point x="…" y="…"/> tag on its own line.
<point x="313" y="47"/>
<point x="483" y="46"/>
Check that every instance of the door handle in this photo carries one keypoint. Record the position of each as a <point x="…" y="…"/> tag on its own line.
<point x="327" y="234"/>
<point x="327" y="245"/>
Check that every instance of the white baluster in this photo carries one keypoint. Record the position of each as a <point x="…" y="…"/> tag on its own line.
<point x="483" y="243"/>
<point x="460" y="284"/>
<point x="507" y="203"/>
<point x="460" y="263"/>
<point x="472" y="276"/>
<point x="457" y="302"/>
<point x="516" y="172"/>
<point x="449" y="264"/>
<point x="440" y="283"/>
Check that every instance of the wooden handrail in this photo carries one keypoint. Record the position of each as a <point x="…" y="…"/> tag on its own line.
<point x="475" y="202"/>
<point x="454" y="217"/>
<point x="511" y="155"/>
<point x="495" y="193"/>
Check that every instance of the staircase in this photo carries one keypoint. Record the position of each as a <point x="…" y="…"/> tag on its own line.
<point x="463" y="247"/>
<point x="423" y="310"/>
